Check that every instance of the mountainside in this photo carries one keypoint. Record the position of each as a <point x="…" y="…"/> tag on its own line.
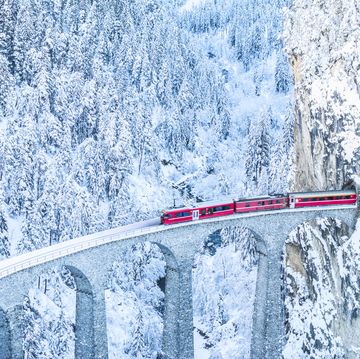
<point x="322" y="39"/>
<point x="321" y="259"/>
<point x="110" y="111"/>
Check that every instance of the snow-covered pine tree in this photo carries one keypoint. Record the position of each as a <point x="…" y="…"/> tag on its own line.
<point x="19" y="155"/>
<point x="6" y="83"/>
<point x="49" y="316"/>
<point x="282" y="74"/>
<point x="223" y="303"/>
<point x="4" y="239"/>
<point x="258" y="152"/>
<point x="105" y="83"/>
<point x="137" y="346"/>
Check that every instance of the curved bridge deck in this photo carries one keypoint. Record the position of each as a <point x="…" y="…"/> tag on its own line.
<point x="179" y="244"/>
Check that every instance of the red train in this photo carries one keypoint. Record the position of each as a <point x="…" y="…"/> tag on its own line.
<point x="228" y="207"/>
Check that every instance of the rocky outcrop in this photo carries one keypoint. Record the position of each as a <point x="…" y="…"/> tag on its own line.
<point x="321" y="260"/>
<point x="322" y="39"/>
<point x="321" y="291"/>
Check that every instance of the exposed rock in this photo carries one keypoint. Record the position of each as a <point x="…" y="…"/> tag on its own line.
<point x="322" y="40"/>
<point x="321" y="291"/>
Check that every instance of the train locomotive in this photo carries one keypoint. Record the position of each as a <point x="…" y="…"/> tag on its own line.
<point x="227" y="207"/>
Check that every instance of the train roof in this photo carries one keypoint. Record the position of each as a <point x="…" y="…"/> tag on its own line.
<point x="272" y="196"/>
<point x="221" y="201"/>
<point x="202" y="204"/>
<point x="322" y="193"/>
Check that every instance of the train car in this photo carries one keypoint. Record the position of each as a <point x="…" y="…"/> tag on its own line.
<point x="264" y="203"/>
<point x="328" y="198"/>
<point x="200" y="211"/>
<point x="228" y="207"/>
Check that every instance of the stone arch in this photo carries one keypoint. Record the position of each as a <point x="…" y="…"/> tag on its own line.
<point x="5" y="341"/>
<point x="169" y="286"/>
<point x="14" y="303"/>
<point x="259" y="316"/>
<point x="260" y="246"/>
<point x="347" y="226"/>
<point x="84" y="317"/>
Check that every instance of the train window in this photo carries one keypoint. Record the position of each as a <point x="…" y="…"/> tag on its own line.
<point x="269" y="202"/>
<point x="203" y="212"/>
<point x="170" y="215"/>
<point x="259" y="203"/>
<point x="347" y="197"/>
<point x="277" y="201"/>
<point x="305" y="199"/>
<point x="263" y="203"/>
<point x="211" y="210"/>
<point x="247" y="204"/>
<point x="221" y="208"/>
<point x="338" y="197"/>
<point x="182" y="214"/>
<point x="314" y="199"/>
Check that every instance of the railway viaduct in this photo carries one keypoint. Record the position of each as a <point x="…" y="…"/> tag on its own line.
<point x="89" y="259"/>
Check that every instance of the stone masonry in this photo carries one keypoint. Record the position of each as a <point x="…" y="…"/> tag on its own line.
<point x="179" y="245"/>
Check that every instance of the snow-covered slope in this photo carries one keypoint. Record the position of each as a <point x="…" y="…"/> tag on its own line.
<point x="135" y="304"/>
<point x="111" y="110"/>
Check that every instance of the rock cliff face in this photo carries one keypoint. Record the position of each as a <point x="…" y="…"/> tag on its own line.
<point x="321" y="291"/>
<point x="322" y="40"/>
<point x="321" y="260"/>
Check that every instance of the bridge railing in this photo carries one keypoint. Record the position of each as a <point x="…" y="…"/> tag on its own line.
<point x="43" y="255"/>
